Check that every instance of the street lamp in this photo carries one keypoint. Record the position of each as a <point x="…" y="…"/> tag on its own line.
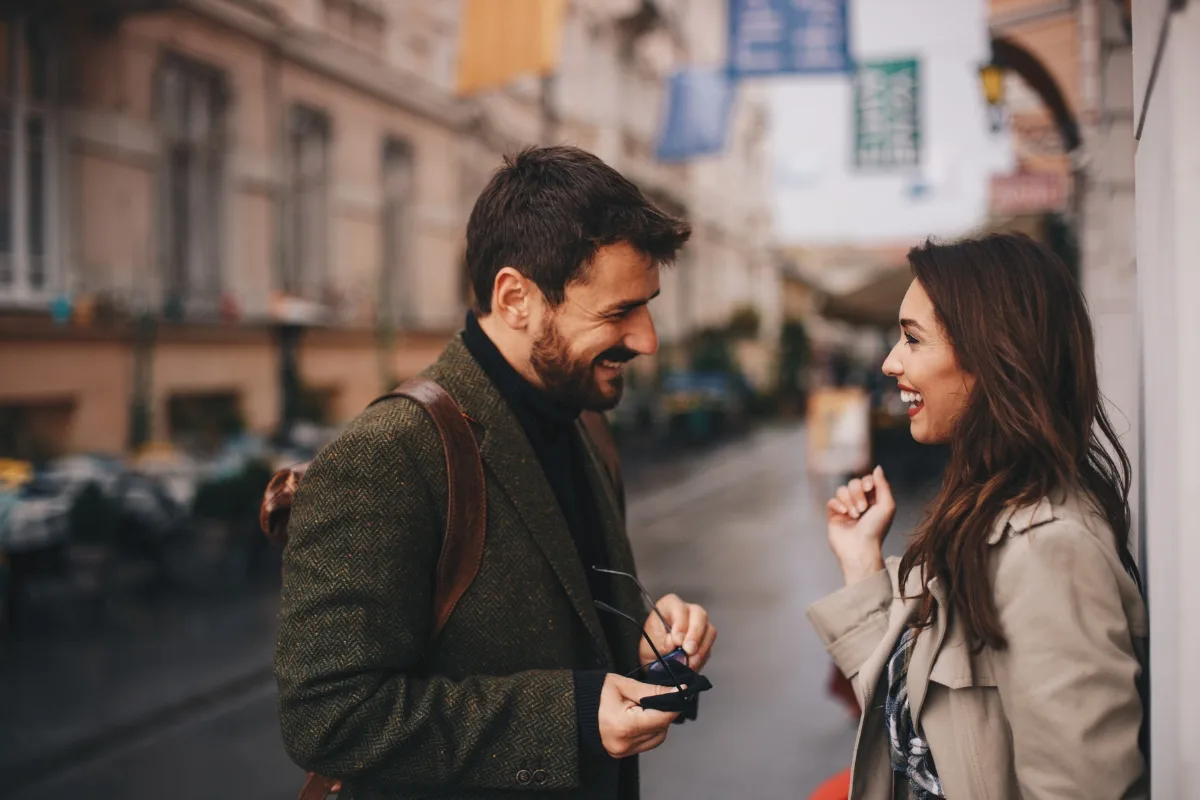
<point x="992" y="76"/>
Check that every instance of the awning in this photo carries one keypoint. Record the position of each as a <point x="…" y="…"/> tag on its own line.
<point x="875" y="304"/>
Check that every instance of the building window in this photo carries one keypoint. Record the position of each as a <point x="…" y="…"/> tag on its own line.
<point x="27" y="163"/>
<point x="193" y="102"/>
<point x="396" y="287"/>
<point x="201" y="422"/>
<point x="358" y="22"/>
<point x="307" y="218"/>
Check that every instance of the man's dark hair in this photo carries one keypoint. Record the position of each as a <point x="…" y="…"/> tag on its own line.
<point x="547" y="211"/>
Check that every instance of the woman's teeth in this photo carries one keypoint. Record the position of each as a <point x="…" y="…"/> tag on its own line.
<point x="912" y="398"/>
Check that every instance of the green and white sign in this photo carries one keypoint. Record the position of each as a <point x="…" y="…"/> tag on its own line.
<point x="887" y="114"/>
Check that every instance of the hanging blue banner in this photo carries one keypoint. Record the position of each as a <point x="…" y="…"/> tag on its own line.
<point x="699" y="103"/>
<point x="788" y="37"/>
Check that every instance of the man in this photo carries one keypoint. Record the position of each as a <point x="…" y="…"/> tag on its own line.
<point x="523" y="688"/>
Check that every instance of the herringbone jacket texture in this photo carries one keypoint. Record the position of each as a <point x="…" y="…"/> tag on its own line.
<point x="487" y="710"/>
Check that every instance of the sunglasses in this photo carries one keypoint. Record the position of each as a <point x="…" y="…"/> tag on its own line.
<point x="671" y="669"/>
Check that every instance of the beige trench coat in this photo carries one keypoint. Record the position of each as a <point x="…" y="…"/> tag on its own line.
<point x="1054" y="715"/>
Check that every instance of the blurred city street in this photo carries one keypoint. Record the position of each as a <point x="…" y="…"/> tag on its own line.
<point x="176" y="700"/>
<point x="227" y="226"/>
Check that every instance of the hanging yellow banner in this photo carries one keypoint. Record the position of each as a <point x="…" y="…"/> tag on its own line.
<point x="505" y="39"/>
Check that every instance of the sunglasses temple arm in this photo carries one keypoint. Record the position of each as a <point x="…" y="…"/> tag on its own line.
<point x="645" y="595"/>
<point x="649" y="641"/>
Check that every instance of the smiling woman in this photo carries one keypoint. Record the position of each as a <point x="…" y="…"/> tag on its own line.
<point x="1012" y="646"/>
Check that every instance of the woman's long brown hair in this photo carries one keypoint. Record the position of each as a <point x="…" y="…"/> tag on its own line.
<point x="1034" y="422"/>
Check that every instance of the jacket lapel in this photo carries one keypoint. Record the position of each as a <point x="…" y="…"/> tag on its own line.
<point x="620" y="554"/>
<point x="514" y="467"/>
<point x="925" y="652"/>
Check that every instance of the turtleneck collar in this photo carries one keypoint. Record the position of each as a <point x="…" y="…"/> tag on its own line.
<point x="543" y="417"/>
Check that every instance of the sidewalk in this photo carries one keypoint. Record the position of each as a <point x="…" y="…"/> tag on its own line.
<point x="65" y="694"/>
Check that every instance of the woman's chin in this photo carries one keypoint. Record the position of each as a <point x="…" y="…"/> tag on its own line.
<point x="922" y="435"/>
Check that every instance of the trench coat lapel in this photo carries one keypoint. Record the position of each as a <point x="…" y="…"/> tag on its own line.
<point x="925" y="652"/>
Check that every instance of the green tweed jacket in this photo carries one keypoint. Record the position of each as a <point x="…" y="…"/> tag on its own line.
<point x="488" y="709"/>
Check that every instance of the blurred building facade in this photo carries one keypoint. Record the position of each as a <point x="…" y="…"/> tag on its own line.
<point x="189" y="183"/>
<point x="1069" y="107"/>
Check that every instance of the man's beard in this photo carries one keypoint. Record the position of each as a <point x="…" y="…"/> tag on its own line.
<point x="574" y="383"/>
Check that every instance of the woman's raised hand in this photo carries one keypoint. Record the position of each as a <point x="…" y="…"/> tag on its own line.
<point x="859" y="517"/>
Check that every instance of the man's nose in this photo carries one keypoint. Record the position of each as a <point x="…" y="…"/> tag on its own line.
<point x="641" y="336"/>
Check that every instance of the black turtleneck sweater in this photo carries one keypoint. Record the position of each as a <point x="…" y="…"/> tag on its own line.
<point x="549" y="426"/>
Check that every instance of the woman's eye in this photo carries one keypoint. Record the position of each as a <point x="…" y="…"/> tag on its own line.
<point x="908" y="338"/>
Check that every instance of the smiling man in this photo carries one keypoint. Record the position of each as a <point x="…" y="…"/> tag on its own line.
<point x="524" y="688"/>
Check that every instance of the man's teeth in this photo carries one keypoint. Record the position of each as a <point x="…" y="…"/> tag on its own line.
<point x="913" y="398"/>
<point x="612" y="364"/>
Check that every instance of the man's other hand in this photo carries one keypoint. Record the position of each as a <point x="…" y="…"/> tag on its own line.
<point x="626" y="728"/>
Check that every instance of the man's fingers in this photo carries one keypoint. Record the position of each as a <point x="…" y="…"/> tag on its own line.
<point x="676" y="613"/>
<point x="696" y="630"/>
<point x="650" y="743"/>
<point x="704" y="652"/>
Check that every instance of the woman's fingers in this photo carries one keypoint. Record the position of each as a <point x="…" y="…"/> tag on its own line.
<point x="858" y="495"/>
<point x="843" y="495"/>
<point x="883" y="490"/>
<point x="837" y="507"/>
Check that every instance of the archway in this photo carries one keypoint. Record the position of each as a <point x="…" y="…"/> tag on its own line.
<point x="1012" y="56"/>
<point x="1059" y="229"/>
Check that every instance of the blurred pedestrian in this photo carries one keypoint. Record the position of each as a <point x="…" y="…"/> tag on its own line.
<point x="1004" y="654"/>
<point x="524" y="688"/>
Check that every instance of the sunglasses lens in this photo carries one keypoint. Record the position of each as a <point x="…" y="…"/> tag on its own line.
<point x="677" y="656"/>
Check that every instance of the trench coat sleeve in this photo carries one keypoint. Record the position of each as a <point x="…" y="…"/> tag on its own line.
<point x="853" y="621"/>
<point x="1067" y="679"/>
<point x="357" y="599"/>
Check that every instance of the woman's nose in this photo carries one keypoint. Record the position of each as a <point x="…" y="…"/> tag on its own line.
<point x="891" y="365"/>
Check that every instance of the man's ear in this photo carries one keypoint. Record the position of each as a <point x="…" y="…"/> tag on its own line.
<point x="512" y="298"/>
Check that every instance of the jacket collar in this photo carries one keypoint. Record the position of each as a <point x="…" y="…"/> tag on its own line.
<point x="514" y="468"/>
<point x="1017" y="520"/>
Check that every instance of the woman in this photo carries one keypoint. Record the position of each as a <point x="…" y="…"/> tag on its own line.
<point x="1001" y="657"/>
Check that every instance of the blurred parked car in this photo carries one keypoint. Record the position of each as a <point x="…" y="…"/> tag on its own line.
<point x="702" y="405"/>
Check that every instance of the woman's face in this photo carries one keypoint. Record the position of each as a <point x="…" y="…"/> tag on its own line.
<point x="927" y="371"/>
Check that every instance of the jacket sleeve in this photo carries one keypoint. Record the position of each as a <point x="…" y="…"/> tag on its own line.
<point x="853" y="621"/>
<point x="364" y="540"/>
<point x="1067" y="679"/>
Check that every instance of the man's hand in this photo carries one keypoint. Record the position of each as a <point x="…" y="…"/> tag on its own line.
<point x="690" y="629"/>
<point x="626" y="728"/>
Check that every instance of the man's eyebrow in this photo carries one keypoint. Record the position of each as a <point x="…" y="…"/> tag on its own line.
<point x="629" y="305"/>
<point x="911" y="323"/>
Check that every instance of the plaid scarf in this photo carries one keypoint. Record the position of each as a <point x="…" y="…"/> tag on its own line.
<point x="910" y="752"/>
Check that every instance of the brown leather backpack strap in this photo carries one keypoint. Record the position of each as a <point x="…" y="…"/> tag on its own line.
<point x="318" y="787"/>
<point x="466" y="520"/>
<point x="599" y="431"/>
<point x="466" y="511"/>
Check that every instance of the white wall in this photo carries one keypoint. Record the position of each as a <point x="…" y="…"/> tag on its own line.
<point x="819" y="197"/>
<point x="1106" y="227"/>
<point x="1168" y="251"/>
